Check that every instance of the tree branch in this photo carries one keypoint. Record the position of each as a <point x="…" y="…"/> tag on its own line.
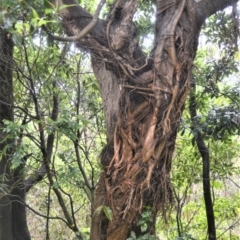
<point x="40" y="173"/>
<point x="84" y="31"/>
<point x="36" y="212"/>
<point x="206" y="8"/>
<point x="75" y="19"/>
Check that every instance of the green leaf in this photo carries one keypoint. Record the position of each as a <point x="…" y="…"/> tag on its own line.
<point x="133" y="235"/>
<point x="143" y="228"/>
<point x="66" y="6"/>
<point x="108" y="213"/>
<point x="34" y="14"/>
<point x="49" y="11"/>
<point x="17" y="39"/>
<point x="55" y="185"/>
<point x="43" y="22"/>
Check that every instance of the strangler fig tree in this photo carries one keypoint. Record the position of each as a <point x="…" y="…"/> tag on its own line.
<point x="143" y="99"/>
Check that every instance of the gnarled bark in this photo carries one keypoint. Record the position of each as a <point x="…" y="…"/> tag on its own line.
<point x="143" y="100"/>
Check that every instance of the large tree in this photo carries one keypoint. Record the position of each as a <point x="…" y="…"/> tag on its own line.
<point x="143" y="99"/>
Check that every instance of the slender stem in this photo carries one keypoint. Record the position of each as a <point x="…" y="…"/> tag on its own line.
<point x="48" y="213"/>
<point x="204" y="151"/>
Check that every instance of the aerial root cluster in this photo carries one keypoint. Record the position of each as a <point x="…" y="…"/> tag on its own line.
<point x="138" y="174"/>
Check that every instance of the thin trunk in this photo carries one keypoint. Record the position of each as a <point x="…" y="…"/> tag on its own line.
<point x="204" y="151"/>
<point x="13" y="225"/>
<point x="19" y="219"/>
<point x="6" y="49"/>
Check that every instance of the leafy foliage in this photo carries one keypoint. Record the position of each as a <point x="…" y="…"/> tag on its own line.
<point x="144" y="222"/>
<point x="45" y="70"/>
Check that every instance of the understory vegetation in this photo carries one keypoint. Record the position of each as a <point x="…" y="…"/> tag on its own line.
<point x="58" y="133"/>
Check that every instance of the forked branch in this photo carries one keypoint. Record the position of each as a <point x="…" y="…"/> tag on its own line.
<point x="84" y="31"/>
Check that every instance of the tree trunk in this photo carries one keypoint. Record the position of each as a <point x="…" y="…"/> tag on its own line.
<point x="204" y="151"/>
<point x="13" y="225"/>
<point x="148" y="117"/>
<point x="143" y="99"/>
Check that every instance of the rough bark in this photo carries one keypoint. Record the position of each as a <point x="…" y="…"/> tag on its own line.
<point x="13" y="225"/>
<point x="143" y="99"/>
<point x="206" y="8"/>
